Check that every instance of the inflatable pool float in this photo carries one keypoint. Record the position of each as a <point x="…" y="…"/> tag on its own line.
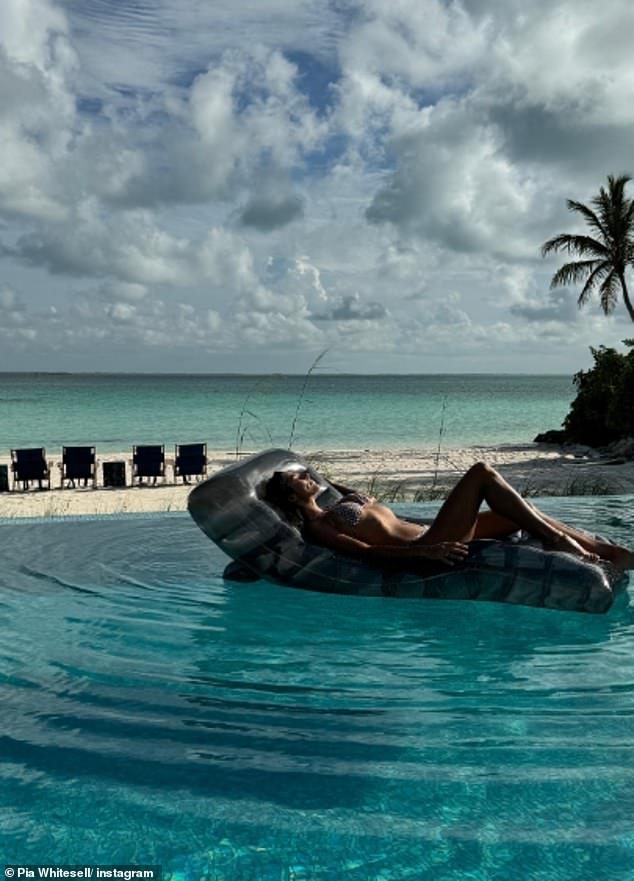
<point x="230" y="509"/>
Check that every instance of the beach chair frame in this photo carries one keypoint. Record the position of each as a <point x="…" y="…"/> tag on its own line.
<point x="28" y="464"/>
<point x="79" y="463"/>
<point x="148" y="460"/>
<point x="190" y="460"/>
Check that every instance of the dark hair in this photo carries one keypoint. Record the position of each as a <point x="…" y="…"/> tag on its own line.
<point x="279" y="493"/>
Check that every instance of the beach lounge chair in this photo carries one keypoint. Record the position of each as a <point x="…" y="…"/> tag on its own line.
<point x="78" y="463"/>
<point x="190" y="461"/>
<point x="148" y="461"/>
<point x="28" y="465"/>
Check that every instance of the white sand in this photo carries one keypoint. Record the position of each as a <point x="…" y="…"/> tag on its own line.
<point x="392" y="475"/>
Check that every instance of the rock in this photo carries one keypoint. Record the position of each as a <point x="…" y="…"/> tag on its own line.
<point x="580" y="451"/>
<point x="554" y="436"/>
<point x="623" y="448"/>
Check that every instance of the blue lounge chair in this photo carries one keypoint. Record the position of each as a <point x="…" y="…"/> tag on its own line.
<point x="28" y="465"/>
<point x="78" y="463"/>
<point x="148" y="461"/>
<point x="190" y="461"/>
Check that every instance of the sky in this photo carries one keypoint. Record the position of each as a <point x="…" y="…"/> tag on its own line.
<point x="213" y="186"/>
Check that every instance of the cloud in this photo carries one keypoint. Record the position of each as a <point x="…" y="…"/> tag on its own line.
<point x="142" y="45"/>
<point x="454" y="185"/>
<point x="352" y="309"/>
<point x="15" y="322"/>
<point x="404" y="160"/>
<point x="559" y="304"/>
<point x="265" y="213"/>
<point x="243" y="119"/>
<point x="137" y="252"/>
<point x="8" y="298"/>
<point x="401" y="41"/>
<point x="123" y="291"/>
<point x="485" y="166"/>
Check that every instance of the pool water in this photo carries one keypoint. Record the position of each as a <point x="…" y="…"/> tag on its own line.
<point x="154" y="714"/>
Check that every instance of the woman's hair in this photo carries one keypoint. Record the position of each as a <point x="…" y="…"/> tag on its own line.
<point x="279" y="493"/>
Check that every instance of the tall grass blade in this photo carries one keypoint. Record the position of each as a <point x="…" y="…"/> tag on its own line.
<point x="441" y="432"/>
<point x="241" y="430"/>
<point x="302" y="395"/>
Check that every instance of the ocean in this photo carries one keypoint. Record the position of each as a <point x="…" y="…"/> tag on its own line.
<point x="319" y="411"/>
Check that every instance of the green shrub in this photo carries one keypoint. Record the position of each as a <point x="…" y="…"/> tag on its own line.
<point x="603" y="410"/>
<point x="621" y="410"/>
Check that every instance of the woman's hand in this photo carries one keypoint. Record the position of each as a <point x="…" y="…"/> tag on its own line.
<point x="449" y="552"/>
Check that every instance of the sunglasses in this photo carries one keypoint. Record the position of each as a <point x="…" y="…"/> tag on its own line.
<point x="304" y="472"/>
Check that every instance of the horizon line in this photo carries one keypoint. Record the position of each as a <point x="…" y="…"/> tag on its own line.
<point x="267" y="373"/>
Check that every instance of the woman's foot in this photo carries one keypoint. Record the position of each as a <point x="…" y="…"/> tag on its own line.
<point x="620" y="557"/>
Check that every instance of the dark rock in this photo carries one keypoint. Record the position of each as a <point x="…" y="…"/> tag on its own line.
<point x="623" y="448"/>
<point x="554" y="436"/>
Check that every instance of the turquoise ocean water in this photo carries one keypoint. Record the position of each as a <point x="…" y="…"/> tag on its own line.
<point x="115" y="411"/>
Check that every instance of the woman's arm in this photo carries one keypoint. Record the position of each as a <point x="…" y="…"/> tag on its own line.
<point x="448" y="552"/>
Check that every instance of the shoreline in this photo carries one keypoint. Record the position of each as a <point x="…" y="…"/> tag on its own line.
<point x="391" y="475"/>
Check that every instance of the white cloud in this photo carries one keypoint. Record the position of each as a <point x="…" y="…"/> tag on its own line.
<point x="352" y="308"/>
<point x="242" y="121"/>
<point x="143" y="47"/>
<point x="425" y="45"/>
<point x="557" y="305"/>
<point x="464" y="210"/>
<point x="122" y="312"/>
<point x="307" y="272"/>
<point x="8" y="298"/>
<point x="37" y="115"/>
<point x="136" y="253"/>
<point x="374" y="177"/>
<point x="123" y="291"/>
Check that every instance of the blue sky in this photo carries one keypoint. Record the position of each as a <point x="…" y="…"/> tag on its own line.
<point x="192" y="186"/>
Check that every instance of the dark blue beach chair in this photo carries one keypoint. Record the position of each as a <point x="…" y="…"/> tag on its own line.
<point x="29" y="465"/>
<point x="148" y="461"/>
<point x="190" y="461"/>
<point x="78" y="463"/>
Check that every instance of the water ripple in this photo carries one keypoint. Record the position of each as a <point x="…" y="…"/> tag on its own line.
<point x="230" y="728"/>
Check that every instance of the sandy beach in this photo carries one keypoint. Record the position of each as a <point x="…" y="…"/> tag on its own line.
<point x="397" y="475"/>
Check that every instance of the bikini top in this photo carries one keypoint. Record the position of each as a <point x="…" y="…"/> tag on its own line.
<point x="348" y="509"/>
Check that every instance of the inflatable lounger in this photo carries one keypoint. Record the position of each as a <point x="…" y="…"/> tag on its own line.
<point x="230" y="509"/>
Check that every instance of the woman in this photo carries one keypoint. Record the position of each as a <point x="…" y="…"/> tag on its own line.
<point x="358" y="525"/>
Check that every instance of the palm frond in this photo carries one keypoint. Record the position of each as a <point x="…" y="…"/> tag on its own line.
<point x="588" y="214"/>
<point x="612" y="203"/>
<point x="616" y="186"/>
<point x="608" y="292"/>
<point x="615" y="192"/>
<point x="575" y="244"/>
<point x="591" y="282"/>
<point x="573" y="273"/>
<point x="628" y="216"/>
<point x="623" y="228"/>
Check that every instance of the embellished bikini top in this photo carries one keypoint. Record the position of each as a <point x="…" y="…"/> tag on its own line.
<point x="348" y="509"/>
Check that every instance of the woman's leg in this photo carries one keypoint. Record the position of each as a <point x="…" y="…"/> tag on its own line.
<point x="458" y="517"/>
<point x="492" y="525"/>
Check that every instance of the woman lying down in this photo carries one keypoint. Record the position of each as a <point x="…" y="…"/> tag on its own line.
<point x="359" y="526"/>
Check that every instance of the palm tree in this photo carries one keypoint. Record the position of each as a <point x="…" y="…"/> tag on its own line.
<point x="605" y="258"/>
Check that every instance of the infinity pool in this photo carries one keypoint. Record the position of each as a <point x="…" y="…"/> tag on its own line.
<point x="153" y="714"/>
